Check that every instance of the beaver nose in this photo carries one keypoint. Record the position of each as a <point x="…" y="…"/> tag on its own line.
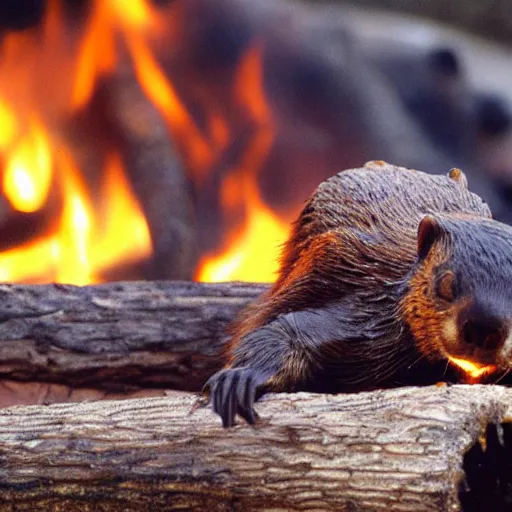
<point x="484" y="334"/>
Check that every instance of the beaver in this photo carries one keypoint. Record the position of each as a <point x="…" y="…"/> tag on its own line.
<point x="390" y="277"/>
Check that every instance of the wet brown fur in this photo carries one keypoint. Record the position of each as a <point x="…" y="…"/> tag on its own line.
<point x="356" y="234"/>
<point x="387" y="275"/>
<point x="420" y="310"/>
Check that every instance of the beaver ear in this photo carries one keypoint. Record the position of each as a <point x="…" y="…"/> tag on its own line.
<point x="459" y="177"/>
<point x="429" y="230"/>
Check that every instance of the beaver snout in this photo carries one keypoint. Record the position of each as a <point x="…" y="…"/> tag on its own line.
<point x="484" y="335"/>
<point x="483" y="340"/>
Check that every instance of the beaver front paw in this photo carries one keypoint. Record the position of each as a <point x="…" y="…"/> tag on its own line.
<point x="233" y="391"/>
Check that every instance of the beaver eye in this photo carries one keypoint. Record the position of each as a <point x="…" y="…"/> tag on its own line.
<point x="446" y="286"/>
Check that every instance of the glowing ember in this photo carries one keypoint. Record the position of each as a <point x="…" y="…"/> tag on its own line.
<point x="474" y="370"/>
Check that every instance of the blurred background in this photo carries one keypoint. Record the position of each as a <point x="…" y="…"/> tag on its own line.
<point x="177" y="139"/>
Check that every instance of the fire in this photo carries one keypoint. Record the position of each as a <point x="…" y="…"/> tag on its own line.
<point x="27" y="175"/>
<point x="473" y="370"/>
<point x="85" y="243"/>
<point x="250" y="254"/>
<point x="97" y="55"/>
<point x="160" y="91"/>
<point x="48" y="74"/>
<point x="96" y="230"/>
<point x="8" y="124"/>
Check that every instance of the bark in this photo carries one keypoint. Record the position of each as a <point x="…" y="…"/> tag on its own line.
<point x="401" y="449"/>
<point x="118" y="337"/>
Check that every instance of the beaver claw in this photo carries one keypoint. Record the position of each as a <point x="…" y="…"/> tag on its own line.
<point x="233" y="391"/>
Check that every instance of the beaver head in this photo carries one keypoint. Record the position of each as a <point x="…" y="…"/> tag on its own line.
<point x="458" y="302"/>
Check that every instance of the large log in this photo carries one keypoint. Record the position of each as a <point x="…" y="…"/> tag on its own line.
<point x="119" y="337"/>
<point x="408" y="449"/>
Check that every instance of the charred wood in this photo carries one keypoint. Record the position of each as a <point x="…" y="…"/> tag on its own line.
<point x="157" y="175"/>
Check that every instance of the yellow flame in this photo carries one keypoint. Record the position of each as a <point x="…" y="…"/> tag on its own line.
<point x="72" y="243"/>
<point x="86" y="242"/>
<point x="474" y="370"/>
<point x="131" y="243"/>
<point x="28" y="172"/>
<point x="253" y="255"/>
<point x="8" y="126"/>
<point x="136" y="14"/>
<point x="91" y="242"/>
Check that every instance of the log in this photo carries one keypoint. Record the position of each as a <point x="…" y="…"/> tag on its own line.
<point x="117" y="337"/>
<point x="408" y="449"/>
<point x="120" y="121"/>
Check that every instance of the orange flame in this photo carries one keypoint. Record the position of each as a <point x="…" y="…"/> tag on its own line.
<point x="252" y="253"/>
<point x="97" y="54"/>
<point x="9" y="126"/>
<point x="85" y="244"/>
<point x="473" y="370"/>
<point x="99" y="229"/>
<point x="92" y="235"/>
<point x="161" y="92"/>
